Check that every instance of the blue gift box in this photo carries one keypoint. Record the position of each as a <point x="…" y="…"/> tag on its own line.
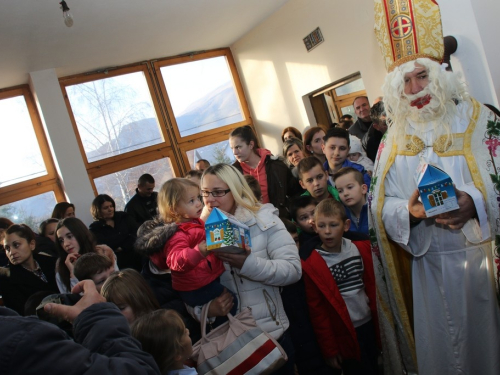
<point x="437" y="192"/>
<point x="225" y="233"/>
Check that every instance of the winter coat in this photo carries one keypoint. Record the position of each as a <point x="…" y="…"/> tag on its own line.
<point x="122" y="235"/>
<point x="273" y="262"/>
<point x="281" y="185"/>
<point x="142" y="208"/>
<point x="190" y="269"/>
<point x="17" y="284"/>
<point x="120" y="238"/>
<point x="103" y="345"/>
<point x="329" y="315"/>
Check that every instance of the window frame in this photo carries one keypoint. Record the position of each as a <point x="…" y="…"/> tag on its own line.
<point x="39" y="185"/>
<point x="174" y="146"/>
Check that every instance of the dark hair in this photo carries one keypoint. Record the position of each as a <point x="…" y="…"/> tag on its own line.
<point x="308" y="136"/>
<point x="83" y="236"/>
<point x="307" y="164"/>
<point x="5" y="223"/>
<point x="203" y="161"/>
<point x="91" y="264"/>
<point x="360" y="97"/>
<point x="247" y="135"/>
<point x="358" y="176"/>
<point x="160" y="334"/>
<point x="194" y="173"/>
<point x="377" y="111"/>
<point x="290" y="227"/>
<point x="346" y="117"/>
<point x="337" y="133"/>
<point x="43" y="225"/>
<point x="300" y="202"/>
<point x="254" y="185"/>
<point x="60" y="209"/>
<point x="345" y="124"/>
<point x="146" y="178"/>
<point x="22" y="230"/>
<point x="291" y="129"/>
<point x="95" y="208"/>
<point x="330" y="208"/>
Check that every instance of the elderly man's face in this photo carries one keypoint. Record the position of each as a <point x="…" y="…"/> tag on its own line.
<point x="417" y="80"/>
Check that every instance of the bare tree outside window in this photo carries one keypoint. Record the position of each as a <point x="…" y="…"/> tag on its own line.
<point x="114" y="115"/>
<point x="122" y="191"/>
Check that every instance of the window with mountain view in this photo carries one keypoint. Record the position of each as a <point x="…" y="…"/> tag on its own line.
<point x="114" y="115"/>
<point x="156" y="117"/>
<point x="202" y="95"/>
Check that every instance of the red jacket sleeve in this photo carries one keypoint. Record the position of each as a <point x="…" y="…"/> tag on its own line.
<point x="321" y="320"/>
<point x="180" y="253"/>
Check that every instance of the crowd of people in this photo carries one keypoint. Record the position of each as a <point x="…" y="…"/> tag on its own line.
<point x="346" y="270"/>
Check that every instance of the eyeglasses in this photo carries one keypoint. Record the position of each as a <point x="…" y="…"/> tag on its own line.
<point x="215" y="193"/>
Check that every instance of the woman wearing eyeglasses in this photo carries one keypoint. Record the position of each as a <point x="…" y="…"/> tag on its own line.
<point x="273" y="261"/>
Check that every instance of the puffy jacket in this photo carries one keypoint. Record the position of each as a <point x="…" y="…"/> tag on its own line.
<point x="280" y="184"/>
<point x="103" y="345"/>
<point x="190" y="269"/>
<point x="273" y="262"/>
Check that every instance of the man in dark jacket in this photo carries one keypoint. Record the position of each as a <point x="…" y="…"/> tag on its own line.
<point x="143" y="205"/>
<point x="103" y="344"/>
<point x="362" y="109"/>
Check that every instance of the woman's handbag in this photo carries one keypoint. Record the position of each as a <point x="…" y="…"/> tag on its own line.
<point x="236" y="347"/>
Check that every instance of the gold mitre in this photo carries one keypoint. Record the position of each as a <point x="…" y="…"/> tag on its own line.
<point x="407" y="30"/>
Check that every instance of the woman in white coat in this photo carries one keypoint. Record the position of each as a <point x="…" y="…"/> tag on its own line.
<point x="273" y="261"/>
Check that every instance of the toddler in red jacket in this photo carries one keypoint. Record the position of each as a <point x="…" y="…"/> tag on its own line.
<point x="195" y="270"/>
<point x="340" y="291"/>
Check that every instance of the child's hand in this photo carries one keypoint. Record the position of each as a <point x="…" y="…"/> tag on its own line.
<point x="70" y="263"/>
<point x="335" y="362"/>
<point x="203" y="248"/>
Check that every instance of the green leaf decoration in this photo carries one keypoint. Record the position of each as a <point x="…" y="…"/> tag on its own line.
<point x="493" y="128"/>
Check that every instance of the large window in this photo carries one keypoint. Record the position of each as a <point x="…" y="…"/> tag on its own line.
<point x="156" y="117"/>
<point x="29" y="186"/>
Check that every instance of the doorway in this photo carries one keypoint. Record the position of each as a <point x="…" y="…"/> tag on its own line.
<point x="329" y="103"/>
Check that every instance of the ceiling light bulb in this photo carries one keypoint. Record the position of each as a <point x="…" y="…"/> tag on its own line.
<point x="68" y="18"/>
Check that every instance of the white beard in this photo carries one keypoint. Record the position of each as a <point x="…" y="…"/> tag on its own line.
<point x="428" y="113"/>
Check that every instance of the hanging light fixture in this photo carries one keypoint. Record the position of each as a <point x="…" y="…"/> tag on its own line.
<point x="68" y="18"/>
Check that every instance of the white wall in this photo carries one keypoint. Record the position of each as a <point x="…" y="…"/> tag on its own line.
<point x="277" y="71"/>
<point x="62" y="139"/>
<point x="478" y="54"/>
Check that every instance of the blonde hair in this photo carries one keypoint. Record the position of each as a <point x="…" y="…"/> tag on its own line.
<point x="242" y="193"/>
<point x="169" y="196"/>
<point x="160" y="333"/>
<point x="129" y="287"/>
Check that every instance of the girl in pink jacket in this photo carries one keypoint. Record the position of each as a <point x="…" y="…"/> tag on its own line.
<point x="195" y="270"/>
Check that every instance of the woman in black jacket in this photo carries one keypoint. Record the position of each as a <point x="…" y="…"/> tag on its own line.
<point x="116" y="229"/>
<point x="27" y="273"/>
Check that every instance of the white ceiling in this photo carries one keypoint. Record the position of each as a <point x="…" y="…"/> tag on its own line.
<point x="116" y="32"/>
